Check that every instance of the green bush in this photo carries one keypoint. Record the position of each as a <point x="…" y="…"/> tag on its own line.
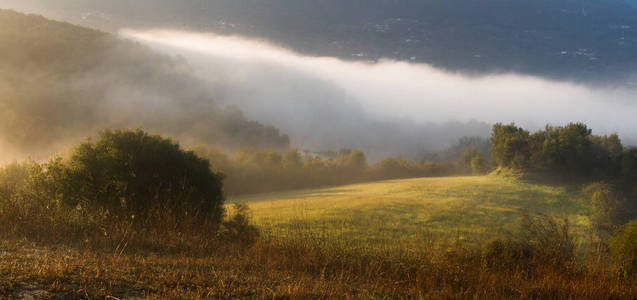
<point x="132" y="172"/>
<point x="623" y="247"/>
<point x="607" y="206"/>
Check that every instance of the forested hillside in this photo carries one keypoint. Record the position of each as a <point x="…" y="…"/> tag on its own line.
<point x="59" y="82"/>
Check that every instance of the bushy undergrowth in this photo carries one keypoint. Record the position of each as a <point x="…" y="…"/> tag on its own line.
<point x="307" y="265"/>
<point x="157" y="231"/>
<point x="542" y="240"/>
<point x="126" y="190"/>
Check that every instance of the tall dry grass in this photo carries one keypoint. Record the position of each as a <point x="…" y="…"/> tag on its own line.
<point x="62" y="252"/>
<point x="68" y="252"/>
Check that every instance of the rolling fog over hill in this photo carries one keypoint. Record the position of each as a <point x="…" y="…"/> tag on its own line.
<point x="60" y="83"/>
<point x="322" y="100"/>
<point x="384" y="108"/>
<point x="88" y="80"/>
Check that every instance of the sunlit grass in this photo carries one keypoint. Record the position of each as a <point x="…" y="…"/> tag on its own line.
<point x="401" y="239"/>
<point x="405" y="213"/>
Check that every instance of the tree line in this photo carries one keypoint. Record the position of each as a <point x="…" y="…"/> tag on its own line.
<point x="253" y="170"/>
<point x="570" y="153"/>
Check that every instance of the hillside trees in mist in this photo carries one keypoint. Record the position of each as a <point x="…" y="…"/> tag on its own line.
<point x="568" y="152"/>
<point x="472" y="160"/>
<point x="256" y="170"/>
<point x="59" y="83"/>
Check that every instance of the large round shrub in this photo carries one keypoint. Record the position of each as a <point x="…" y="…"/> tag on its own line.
<point x="134" y="172"/>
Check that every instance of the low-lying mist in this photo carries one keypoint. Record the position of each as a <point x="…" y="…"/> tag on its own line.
<point x="386" y="107"/>
<point x="61" y="83"/>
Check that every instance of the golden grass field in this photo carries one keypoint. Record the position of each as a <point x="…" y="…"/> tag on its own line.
<point x="419" y="238"/>
<point x="405" y="213"/>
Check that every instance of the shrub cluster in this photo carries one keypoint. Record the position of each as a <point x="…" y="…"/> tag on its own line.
<point x="568" y="152"/>
<point x="126" y="186"/>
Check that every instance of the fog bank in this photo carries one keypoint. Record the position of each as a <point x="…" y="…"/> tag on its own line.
<point x="313" y="98"/>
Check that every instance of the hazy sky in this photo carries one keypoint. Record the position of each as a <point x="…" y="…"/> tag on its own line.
<point x="389" y="90"/>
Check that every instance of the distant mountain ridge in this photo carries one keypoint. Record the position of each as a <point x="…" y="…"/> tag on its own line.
<point x="581" y="40"/>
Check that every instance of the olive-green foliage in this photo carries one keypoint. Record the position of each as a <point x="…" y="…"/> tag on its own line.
<point x="255" y="170"/>
<point x="128" y="189"/>
<point x="471" y="159"/>
<point x="623" y="247"/>
<point x="481" y="144"/>
<point x="608" y="208"/>
<point x="510" y="146"/>
<point x="573" y="151"/>
<point x="568" y="152"/>
<point x="394" y="168"/>
<point x="479" y="164"/>
<point x="132" y="171"/>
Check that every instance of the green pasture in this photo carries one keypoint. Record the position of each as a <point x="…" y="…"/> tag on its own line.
<point x="406" y="213"/>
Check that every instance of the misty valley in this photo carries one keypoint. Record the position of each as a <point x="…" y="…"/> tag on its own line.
<point x="412" y="149"/>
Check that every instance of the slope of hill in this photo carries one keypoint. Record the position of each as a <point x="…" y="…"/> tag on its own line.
<point x="573" y="39"/>
<point x="405" y="213"/>
<point x="59" y="81"/>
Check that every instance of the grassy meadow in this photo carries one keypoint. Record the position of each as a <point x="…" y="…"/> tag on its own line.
<point x="404" y="214"/>
<point x="424" y="238"/>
